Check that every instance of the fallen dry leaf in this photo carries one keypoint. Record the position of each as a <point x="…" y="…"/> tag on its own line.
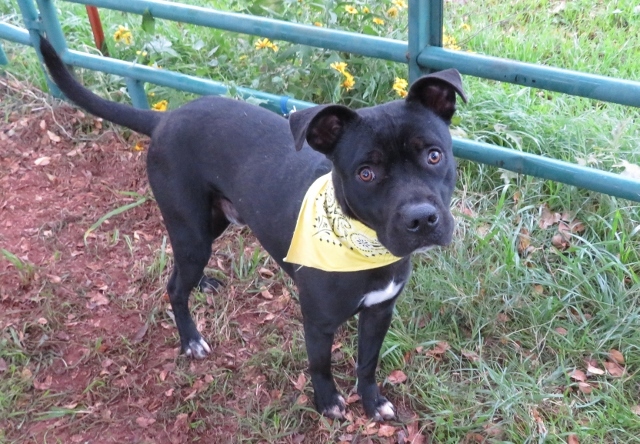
<point x="370" y="429"/>
<point x="561" y="331"/>
<point x="593" y="370"/>
<point x="44" y="385"/>
<point x="3" y="365"/>
<point x="614" y="369"/>
<point x="585" y="387"/>
<point x="636" y="410"/>
<point x="354" y="397"/>
<point x="300" y="382"/>
<point x="42" y="161"/>
<point x="524" y="243"/>
<point x="386" y="431"/>
<point x="144" y="422"/>
<point x="98" y="299"/>
<point x="265" y="293"/>
<point x="439" y="349"/>
<point x="616" y="356"/>
<point x="471" y="356"/>
<point x="572" y="439"/>
<point x="140" y="333"/>
<point x="570" y="226"/>
<point x="547" y="218"/>
<point x="397" y="377"/>
<point x="578" y="375"/>
<point x="53" y="136"/>
<point x="559" y="241"/>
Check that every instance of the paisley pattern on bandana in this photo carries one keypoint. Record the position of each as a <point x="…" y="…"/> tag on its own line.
<point x="325" y="238"/>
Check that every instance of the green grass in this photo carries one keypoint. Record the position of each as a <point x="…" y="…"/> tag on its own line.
<point x="530" y="318"/>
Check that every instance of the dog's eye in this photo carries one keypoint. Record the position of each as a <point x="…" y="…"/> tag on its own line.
<point x="366" y="175"/>
<point x="435" y="157"/>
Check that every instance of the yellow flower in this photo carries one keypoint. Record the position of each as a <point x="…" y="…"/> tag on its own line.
<point x="266" y="43"/>
<point x="465" y="27"/>
<point x="349" y="82"/>
<point x="378" y="21"/>
<point x="138" y="147"/>
<point x="350" y="9"/>
<point x="392" y="11"/>
<point x="123" y="34"/>
<point x="366" y="10"/>
<point x="318" y="24"/>
<point x="401" y="4"/>
<point x="160" y="106"/>
<point x="142" y="53"/>
<point x="400" y="87"/>
<point x="450" y="42"/>
<point x="341" y="67"/>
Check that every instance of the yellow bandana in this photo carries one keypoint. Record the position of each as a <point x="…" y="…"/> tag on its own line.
<point x="326" y="239"/>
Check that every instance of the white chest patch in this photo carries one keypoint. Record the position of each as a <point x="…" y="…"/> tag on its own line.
<point x="377" y="296"/>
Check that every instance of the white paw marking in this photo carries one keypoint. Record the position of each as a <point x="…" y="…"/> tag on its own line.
<point x="386" y="411"/>
<point x="198" y="349"/>
<point x="378" y="296"/>
<point x="337" y="411"/>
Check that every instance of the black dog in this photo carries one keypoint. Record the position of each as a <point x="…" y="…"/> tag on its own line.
<point x="215" y="161"/>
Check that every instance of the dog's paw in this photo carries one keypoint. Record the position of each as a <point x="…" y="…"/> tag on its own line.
<point x="197" y="348"/>
<point x="337" y="409"/>
<point x="209" y="284"/>
<point x="385" y="411"/>
<point x="376" y="406"/>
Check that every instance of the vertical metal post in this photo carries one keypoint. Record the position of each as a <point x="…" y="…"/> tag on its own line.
<point x="51" y="26"/>
<point x="33" y="25"/>
<point x="425" y="29"/>
<point x="137" y="93"/>
<point x="3" y="57"/>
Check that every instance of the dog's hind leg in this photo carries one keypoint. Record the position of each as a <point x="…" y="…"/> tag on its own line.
<point x="192" y="227"/>
<point x="218" y="225"/>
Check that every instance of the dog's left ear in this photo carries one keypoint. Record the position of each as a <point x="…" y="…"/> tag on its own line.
<point x="437" y="91"/>
<point x="321" y="126"/>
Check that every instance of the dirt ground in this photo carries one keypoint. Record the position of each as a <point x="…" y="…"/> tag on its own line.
<point x="86" y="310"/>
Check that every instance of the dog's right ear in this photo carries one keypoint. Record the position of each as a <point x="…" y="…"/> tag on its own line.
<point x="321" y="126"/>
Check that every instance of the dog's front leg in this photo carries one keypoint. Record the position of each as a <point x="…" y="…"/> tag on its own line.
<point x="373" y="324"/>
<point x="327" y="399"/>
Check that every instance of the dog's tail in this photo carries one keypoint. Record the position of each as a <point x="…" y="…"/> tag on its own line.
<point x="142" y="121"/>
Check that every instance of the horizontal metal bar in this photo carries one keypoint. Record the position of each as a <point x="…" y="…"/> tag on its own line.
<point x="14" y="34"/>
<point x="609" y="89"/>
<point x="509" y="159"/>
<point x="176" y="80"/>
<point x="366" y="45"/>
<point x="547" y="168"/>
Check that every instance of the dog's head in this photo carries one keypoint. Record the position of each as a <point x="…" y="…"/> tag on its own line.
<point x="393" y="165"/>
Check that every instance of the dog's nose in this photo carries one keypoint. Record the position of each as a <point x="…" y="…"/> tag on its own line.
<point x="421" y="216"/>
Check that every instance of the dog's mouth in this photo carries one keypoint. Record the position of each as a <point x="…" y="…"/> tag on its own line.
<point x="407" y="238"/>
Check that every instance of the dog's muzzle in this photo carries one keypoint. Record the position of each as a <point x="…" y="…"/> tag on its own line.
<point x="418" y="226"/>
